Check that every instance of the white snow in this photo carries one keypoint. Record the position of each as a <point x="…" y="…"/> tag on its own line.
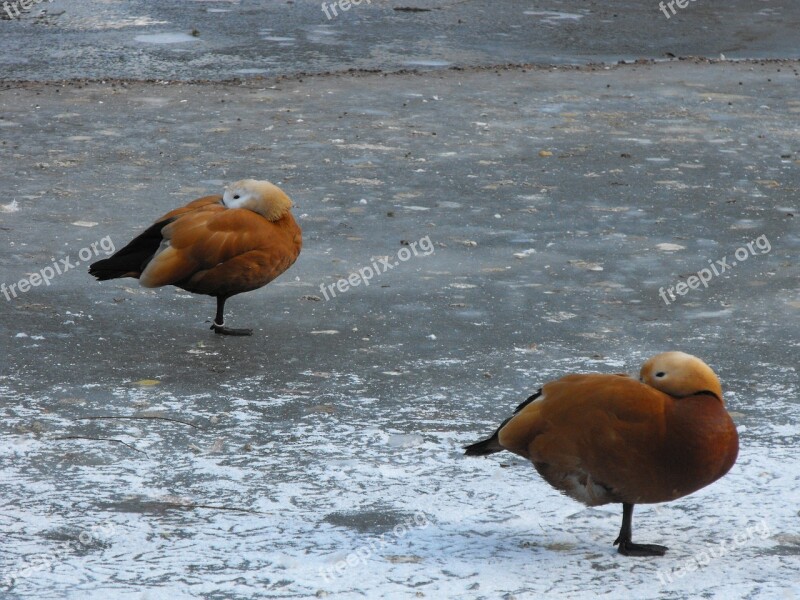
<point x="358" y="498"/>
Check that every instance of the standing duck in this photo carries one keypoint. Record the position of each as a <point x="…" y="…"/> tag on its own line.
<point x="612" y="438"/>
<point x="216" y="245"/>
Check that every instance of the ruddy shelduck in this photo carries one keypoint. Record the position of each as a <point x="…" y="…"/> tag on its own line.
<point x="612" y="438"/>
<point x="219" y="245"/>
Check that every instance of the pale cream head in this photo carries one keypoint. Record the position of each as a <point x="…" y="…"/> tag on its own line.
<point x="679" y="374"/>
<point x="261" y="197"/>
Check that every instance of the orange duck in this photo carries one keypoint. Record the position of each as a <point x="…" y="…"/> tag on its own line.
<point x="612" y="438"/>
<point x="216" y="245"/>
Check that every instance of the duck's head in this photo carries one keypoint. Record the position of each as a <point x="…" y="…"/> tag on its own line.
<point x="679" y="375"/>
<point x="261" y="197"/>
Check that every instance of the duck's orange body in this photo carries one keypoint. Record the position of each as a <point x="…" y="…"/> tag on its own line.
<point x="612" y="438"/>
<point x="217" y="245"/>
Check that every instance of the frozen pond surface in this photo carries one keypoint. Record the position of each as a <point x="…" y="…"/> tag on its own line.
<point x="558" y="203"/>
<point x="220" y="40"/>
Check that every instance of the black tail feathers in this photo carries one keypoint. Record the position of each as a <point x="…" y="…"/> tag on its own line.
<point x="492" y="444"/>
<point x="485" y="447"/>
<point x="131" y="260"/>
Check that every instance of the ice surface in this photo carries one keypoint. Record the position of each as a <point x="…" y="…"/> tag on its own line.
<point x="166" y="38"/>
<point x="143" y="457"/>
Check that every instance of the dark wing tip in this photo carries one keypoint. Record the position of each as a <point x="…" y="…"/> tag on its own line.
<point x="492" y="444"/>
<point x="484" y="447"/>
<point x="528" y="401"/>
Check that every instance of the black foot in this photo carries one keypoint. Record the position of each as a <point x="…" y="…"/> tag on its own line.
<point x="222" y="330"/>
<point x="631" y="549"/>
<point x="626" y="546"/>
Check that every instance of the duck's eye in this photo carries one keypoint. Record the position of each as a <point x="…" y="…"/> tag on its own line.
<point x="660" y="374"/>
<point x="236" y="196"/>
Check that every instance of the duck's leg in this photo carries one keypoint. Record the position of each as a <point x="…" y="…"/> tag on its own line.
<point x="626" y="546"/>
<point x="219" y="321"/>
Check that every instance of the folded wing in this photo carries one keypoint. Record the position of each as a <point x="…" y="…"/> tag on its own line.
<point x="131" y="260"/>
<point x="606" y="429"/>
<point x="219" y="251"/>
